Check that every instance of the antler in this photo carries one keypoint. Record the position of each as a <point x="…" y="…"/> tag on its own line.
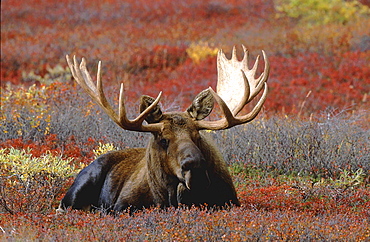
<point x="236" y="83"/>
<point x="83" y="78"/>
<point x="237" y="86"/>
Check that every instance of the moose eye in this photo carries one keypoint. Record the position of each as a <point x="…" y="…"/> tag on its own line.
<point x="164" y="143"/>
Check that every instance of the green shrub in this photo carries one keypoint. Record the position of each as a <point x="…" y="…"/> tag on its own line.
<point x="318" y="12"/>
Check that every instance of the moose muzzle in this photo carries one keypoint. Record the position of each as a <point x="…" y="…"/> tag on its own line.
<point x="193" y="168"/>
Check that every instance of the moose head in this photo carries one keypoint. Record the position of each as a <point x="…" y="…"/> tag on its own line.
<point x="180" y="164"/>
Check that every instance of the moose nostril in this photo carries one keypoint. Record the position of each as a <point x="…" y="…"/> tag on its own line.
<point x="191" y="163"/>
<point x="187" y="165"/>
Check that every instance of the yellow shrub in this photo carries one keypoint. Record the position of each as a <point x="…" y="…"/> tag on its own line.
<point x="104" y="148"/>
<point x="53" y="74"/>
<point x="32" y="100"/>
<point x="318" y="12"/>
<point x="21" y="163"/>
<point x="200" y="51"/>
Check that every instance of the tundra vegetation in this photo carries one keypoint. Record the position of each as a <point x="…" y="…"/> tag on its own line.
<point x="300" y="169"/>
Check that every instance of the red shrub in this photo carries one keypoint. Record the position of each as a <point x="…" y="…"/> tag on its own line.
<point x="69" y="148"/>
<point x="159" y="58"/>
<point x="339" y="81"/>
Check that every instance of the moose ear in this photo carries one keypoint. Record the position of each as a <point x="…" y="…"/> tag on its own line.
<point x="202" y="105"/>
<point x="156" y="115"/>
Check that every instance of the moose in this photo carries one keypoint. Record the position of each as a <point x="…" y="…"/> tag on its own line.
<point x="181" y="166"/>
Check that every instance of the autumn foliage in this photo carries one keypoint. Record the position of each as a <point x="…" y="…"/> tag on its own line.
<point x="301" y="168"/>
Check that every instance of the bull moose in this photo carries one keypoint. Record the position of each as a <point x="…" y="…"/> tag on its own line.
<point x="181" y="164"/>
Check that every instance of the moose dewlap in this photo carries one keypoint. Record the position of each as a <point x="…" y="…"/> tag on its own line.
<point x="180" y="164"/>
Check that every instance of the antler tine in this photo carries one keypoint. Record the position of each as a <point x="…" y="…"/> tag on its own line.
<point x="86" y="75"/>
<point x="233" y="55"/>
<point x="257" y="84"/>
<point x="121" y="106"/>
<point x="83" y="78"/>
<point x="245" y="60"/>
